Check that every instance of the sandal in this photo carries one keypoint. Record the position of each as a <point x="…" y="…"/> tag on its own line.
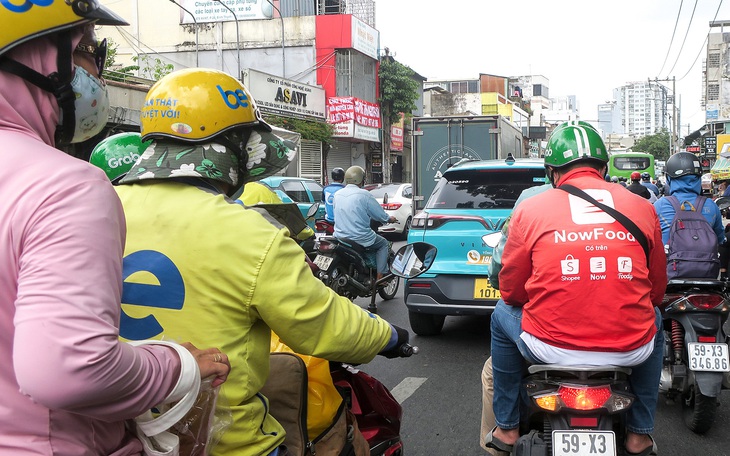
<point x="648" y="451"/>
<point x="490" y="441"/>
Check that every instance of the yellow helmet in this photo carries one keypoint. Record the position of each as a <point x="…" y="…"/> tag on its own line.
<point x="196" y="104"/>
<point x="28" y="19"/>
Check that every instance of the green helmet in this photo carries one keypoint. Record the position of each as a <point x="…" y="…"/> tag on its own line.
<point x="571" y="142"/>
<point x="116" y="154"/>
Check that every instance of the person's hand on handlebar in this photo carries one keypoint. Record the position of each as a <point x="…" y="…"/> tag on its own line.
<point x="392" y="219"/>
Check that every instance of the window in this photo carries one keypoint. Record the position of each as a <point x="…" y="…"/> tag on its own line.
<point x="483" y="189"/>
<point x="296" y="191"/>
<point x="631" y="163"/>
<point x="713" y="60"/>
<point x="315" y="189"/>
<point x="713" y="92"/>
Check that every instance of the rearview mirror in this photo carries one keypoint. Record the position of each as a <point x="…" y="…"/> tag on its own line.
<point x="492" y="239"/>
<point x="312" y="210"/>
<point x="412" y="260"/>
<point x="723" y="202"/>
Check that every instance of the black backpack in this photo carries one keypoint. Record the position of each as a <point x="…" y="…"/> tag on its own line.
<point x="693" y="249"/>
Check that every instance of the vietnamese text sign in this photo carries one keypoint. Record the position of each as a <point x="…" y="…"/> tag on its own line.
<point x="214" y="11"/>
<point x="284" y="96"/>
<point x="364" y="38"/>
<point x="359" y="117"/>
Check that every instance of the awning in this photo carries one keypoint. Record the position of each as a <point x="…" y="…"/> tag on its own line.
<point x="721" y="169"/>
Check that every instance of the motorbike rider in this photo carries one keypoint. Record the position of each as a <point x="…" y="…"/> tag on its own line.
<point x="328" y="193"/>
<point x="354" y="207"/>
<point x="646" y="182"/>
<point x="584" y="306"/>
<point x="68" y="384"/>
<point x="684" y="173"/>
<point x="228" y="275"/>
<point x="116" y="154"/>
<point x="639" y="189"/>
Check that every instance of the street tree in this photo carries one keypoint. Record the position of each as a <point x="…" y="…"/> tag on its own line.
<point x="398" y="94"/>
<point x="656" y="145"/>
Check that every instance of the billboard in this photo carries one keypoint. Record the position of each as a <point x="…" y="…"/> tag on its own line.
<point x="354" y="118"/>
<point x="216" y="11"/>
<point x="278" y="95"/>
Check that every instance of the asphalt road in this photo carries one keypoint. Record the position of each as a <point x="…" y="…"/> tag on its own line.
<point x="440" y="390"/>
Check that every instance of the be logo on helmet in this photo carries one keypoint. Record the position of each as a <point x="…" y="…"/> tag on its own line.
<point x="239" y="97"/>
<point x="25" y="6"/>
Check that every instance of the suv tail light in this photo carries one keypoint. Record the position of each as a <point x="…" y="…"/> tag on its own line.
<point x="433" y="221"/>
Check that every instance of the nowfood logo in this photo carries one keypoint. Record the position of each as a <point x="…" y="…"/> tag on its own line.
<point x="24" y="6"/>
<point x="234" y="98"/>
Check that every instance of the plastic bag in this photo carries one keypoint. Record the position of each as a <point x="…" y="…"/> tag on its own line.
<point x="201" y="429"/>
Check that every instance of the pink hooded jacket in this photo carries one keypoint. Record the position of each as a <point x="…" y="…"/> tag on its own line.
<point x="66" y="382"/>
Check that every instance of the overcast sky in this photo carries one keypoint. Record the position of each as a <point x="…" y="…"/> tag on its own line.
<point x="584" y="47"/>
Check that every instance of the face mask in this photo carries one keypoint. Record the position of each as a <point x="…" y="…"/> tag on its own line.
<point x="91" y="105"/>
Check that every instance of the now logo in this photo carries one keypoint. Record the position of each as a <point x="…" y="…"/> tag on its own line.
<point x="238" y="96"/>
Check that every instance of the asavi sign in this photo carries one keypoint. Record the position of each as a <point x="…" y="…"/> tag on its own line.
<point x="276" y="95"/>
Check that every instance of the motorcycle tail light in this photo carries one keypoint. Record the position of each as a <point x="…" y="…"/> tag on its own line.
<point x="706" y="301"/>
<point x="394" y="450"/>
<point x="584" y="421"/>
<point x="670" y="298"/>
<point x="706" y="339"/>
<point x="326" y="246"/>
<point x="580" y="397"/>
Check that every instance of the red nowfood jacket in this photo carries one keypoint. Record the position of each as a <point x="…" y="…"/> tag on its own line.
<point x="581" y="278"/>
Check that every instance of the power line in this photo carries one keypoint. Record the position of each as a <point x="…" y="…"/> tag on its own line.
<point x="685" y="37"/>
<point x="707" y="37"/>
<point x="672" y="40"/>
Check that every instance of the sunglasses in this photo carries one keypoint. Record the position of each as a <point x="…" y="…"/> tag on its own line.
<point x="98" y="52"/>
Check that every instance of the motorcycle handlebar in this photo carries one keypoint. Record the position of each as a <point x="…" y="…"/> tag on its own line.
<point x="407" y="350"/>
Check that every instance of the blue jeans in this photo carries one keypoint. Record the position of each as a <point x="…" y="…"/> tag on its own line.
<point x="509" y="353"/>
<point x="381" y="247"/>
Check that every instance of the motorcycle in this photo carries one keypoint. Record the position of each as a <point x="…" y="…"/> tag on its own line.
<point x="377" y="413"/>
<point x="572" y="410"/>
<point x="350" y="270"/>
<point x="696" y="351"/>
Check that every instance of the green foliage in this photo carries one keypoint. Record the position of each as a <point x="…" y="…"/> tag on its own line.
<point x="656" y="145"/>
<point x="310" y="130"/>
<point x="398" y="90"/>
<point x="153" y="68"/>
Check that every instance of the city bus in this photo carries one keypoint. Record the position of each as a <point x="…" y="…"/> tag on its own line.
<point x="622" y="164"/>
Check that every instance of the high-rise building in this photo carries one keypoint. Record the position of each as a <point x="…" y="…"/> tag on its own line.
<point x="643" y="108"/>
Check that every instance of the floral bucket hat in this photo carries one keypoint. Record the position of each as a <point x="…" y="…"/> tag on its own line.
<point x="165" y="158"/>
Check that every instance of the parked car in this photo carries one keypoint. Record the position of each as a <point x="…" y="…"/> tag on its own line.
<point x="399" y="205"/>
<point x="300" y="190"/>
<point x="471" y="199"/>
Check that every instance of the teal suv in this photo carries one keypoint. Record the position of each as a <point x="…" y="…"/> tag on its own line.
<point x="472" y="198"/>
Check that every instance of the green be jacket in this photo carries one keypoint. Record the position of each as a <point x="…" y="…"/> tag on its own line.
<point x="203" y="269"/>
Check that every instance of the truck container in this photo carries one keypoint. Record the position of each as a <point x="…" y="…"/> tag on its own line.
<point x="441" y="142"/>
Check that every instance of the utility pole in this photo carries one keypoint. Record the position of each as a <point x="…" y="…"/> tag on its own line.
<point x="674" y="125"/>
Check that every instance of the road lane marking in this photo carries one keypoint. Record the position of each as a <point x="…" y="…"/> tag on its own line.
<point x="408" y="386"/>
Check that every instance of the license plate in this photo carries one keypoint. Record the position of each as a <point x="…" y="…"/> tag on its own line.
<point x="708" y="357"/>
<point x="482" y="290"/>
<point x="323" y="262"/>
<point x="584" y="443"/>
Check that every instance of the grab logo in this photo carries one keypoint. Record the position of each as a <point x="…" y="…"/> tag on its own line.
<point x="25" y="5"/>
<point x="584" y="213"/>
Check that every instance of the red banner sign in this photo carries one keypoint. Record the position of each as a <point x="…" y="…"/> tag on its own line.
<point x="344" y="109"/>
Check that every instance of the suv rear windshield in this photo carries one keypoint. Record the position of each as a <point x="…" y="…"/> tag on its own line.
<point x="483" y="188"/>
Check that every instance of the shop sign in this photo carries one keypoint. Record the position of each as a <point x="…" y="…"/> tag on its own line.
<point x="274" y="94"/>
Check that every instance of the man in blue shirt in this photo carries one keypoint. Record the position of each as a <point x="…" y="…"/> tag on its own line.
<point x="328" y="193"/>
<point x="646" y="182"/>
<point x="353" y="208"/>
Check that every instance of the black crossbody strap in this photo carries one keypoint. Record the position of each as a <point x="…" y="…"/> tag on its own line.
<point x="619" y="217"/>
